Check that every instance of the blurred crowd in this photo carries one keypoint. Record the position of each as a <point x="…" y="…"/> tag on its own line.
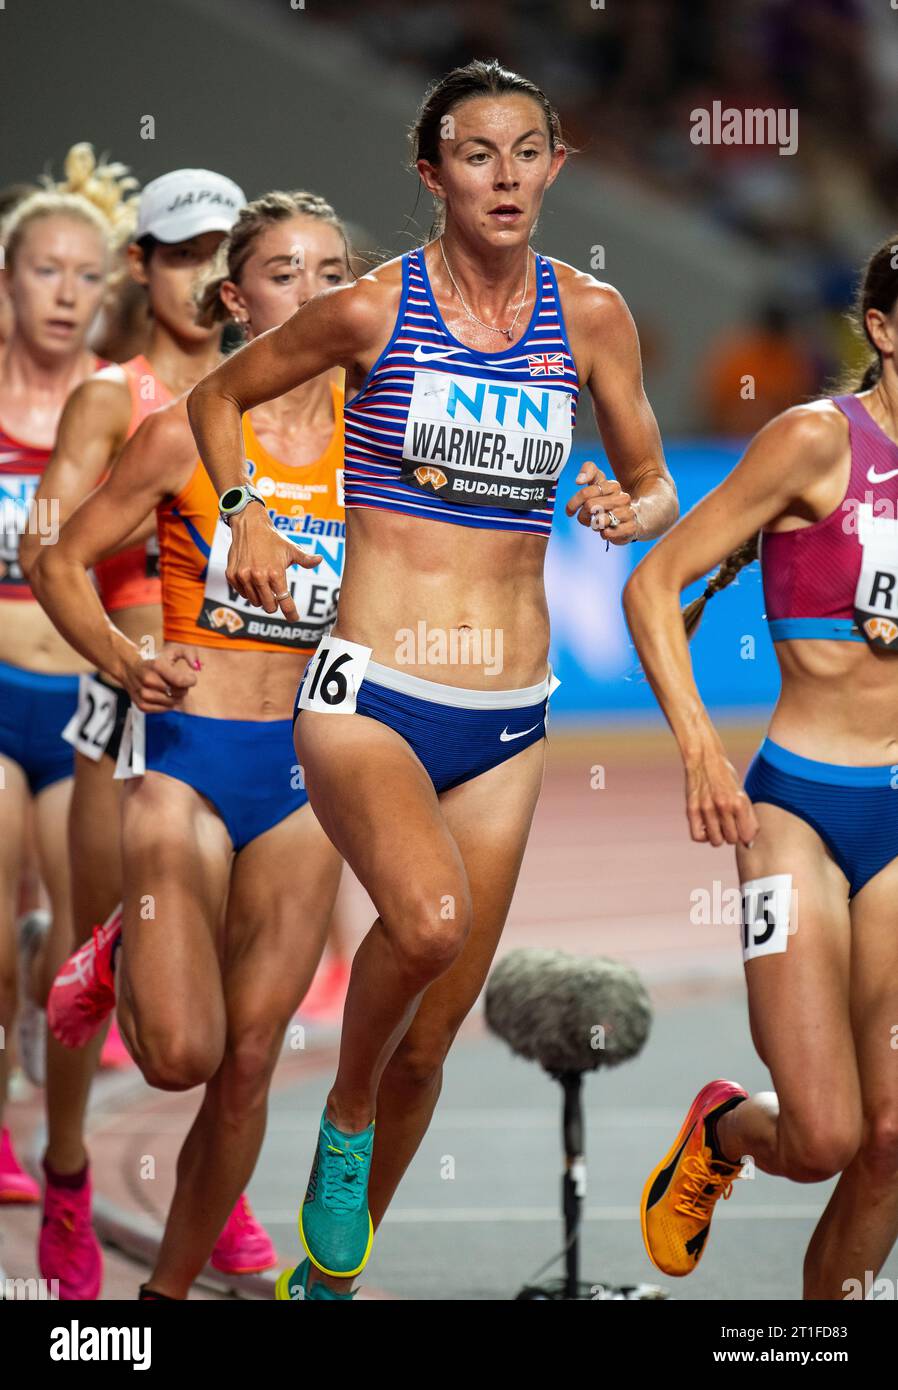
<point x="627" y="76"/>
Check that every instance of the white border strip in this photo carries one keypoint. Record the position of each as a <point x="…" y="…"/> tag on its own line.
<point x="458" y="696"/>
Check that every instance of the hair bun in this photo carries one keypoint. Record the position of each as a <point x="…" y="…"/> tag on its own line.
<point x="109" y="187"/>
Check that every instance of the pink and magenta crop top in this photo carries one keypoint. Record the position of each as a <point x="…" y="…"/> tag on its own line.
<point x="442" y="431"/>
<point x="813" y="575"/>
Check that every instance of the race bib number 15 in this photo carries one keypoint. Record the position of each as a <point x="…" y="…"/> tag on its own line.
<point x="333" y="676"/>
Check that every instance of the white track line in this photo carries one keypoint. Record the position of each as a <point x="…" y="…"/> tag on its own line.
<point x="411" y="1216"/>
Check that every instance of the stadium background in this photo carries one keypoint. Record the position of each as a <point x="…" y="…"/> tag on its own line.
<point x="735" y="259"/>
<point x="732" y="257"/>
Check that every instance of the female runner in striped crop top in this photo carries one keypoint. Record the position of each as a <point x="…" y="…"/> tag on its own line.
<point x="421" y="723"/>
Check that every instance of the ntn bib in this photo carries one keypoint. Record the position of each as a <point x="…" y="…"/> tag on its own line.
<point x="306" y="503"/>
<point x="21" y="468"/>
<point x="443" y="431"/>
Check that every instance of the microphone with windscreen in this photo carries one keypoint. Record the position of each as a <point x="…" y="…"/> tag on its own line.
<point x="572" y="1014"/>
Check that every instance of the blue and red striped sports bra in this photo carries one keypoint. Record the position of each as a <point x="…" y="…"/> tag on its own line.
<point x="442" y="431"/>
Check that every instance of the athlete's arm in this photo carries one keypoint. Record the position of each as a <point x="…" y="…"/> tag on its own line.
<point x="91" y="431"/>
<point x="792" y="454"/>
<point x="138" y="536"/>
<point x="604" y="336"/>
<point x="153" y="465"/>
<point x="335" y="328"/>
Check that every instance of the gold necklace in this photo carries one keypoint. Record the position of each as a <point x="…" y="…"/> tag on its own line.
<point x="506" y="332"/>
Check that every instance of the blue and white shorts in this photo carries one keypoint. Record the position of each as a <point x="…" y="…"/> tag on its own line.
<point x="457" y="733"/>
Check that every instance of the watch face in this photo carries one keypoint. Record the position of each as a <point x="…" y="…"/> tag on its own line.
<point x="231" y="498"/>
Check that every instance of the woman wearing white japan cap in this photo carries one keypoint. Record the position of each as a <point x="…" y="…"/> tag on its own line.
<point x="182" y="218"/>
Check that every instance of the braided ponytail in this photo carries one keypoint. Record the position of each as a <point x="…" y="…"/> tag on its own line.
<point x="742" y="556"/>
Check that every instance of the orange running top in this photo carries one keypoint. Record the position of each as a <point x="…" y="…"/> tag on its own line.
<point x="305" y="502"/>
<point x="131" y="578"/>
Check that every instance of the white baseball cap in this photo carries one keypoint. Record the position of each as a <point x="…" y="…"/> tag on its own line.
<point x="187" y="202"/>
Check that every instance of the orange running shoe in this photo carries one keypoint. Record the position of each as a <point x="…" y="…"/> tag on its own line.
<point x="678" y="1199"/>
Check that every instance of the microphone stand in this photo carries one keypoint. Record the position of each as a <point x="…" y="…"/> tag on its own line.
<point x="573" y="1191"/>
<point x="573" y="1184"/>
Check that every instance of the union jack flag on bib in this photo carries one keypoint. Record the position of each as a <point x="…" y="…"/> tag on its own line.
<point x="546" y="364"/>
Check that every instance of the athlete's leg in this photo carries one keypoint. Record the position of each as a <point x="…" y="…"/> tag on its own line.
<point x="95" y="855"/>
<point x="176" y="863"/>
<point x="51" y="811"/>
<point x="859" y="1227"/>
<point x="282" y="894"/>
<point x="14" y="800"/>
<point x="32" y="894"/>
<point x="377" y="804"/>
<point x="489" y="819"/>
<point x="800" y="1016"/>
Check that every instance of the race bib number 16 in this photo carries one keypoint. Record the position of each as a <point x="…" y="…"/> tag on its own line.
<point x="333" y="676"/>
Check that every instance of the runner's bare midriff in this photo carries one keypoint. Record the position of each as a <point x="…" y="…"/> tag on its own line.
<point x="454" y="604"/>
<point x="824" y="686"/>
<point x="142" y="624"/>
<point x="29" y="640"/>
<point x="245" y="685"/>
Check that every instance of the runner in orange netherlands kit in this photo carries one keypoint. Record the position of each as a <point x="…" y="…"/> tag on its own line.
<point x="182" y="219"/>
<point x="214" y="828"/>
<point x="57" y="251"/>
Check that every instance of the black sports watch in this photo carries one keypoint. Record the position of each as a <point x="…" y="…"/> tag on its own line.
<point x="236" y="500"/>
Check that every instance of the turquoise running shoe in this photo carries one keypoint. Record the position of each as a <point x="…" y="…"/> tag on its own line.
<point x="334" y="1222"/>
<point x="293" y="1285"/>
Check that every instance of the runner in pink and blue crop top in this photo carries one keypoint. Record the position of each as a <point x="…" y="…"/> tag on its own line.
<point x="823" y="580"/>
<point x="815" y="826"/>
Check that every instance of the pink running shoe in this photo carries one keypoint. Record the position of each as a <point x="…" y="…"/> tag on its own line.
<point x="327" y="993"/>
<point x="83" y="993"/>
<point x="244" y="1246"/>
<point x="115" y="1056"/>
<point x="68" y="1249"/>
<point x="15" y="1184"/>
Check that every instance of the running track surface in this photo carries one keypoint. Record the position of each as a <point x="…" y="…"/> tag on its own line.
<point x="609" y="870"/>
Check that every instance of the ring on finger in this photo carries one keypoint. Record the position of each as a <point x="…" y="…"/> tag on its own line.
<point x="613" y="520"/>
<point x="278" y="597"/>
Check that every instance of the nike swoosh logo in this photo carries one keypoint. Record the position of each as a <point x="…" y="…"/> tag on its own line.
<point x="421" y="355"/>
<point x="506" y="737"/>
<point x="874" y="477"/>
